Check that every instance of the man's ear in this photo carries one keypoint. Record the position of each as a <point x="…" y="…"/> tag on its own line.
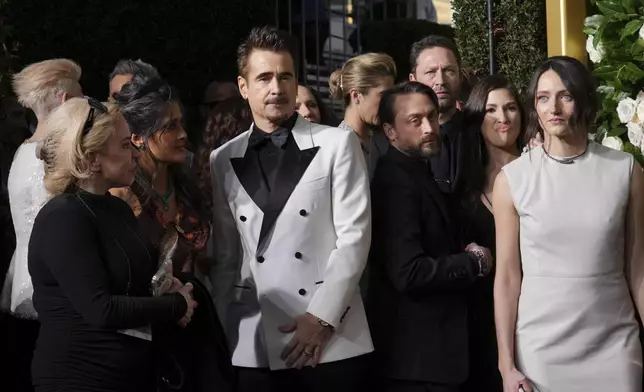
<point x="243" y="87"/>
<point x="390" y="132"/>
<point x="412" y="77"/>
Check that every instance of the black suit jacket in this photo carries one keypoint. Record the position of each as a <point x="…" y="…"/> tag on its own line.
<point x="416" y="304"/>
<point x="450" y="177"/>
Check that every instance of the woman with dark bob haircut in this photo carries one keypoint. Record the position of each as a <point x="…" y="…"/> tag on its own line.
<point x="494" y="116"/>
<point x="569" y="232"/>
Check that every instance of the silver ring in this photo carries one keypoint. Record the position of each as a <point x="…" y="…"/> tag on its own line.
<point x="308" y="353"/>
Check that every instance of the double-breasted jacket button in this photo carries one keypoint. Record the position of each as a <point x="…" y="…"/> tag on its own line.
<point x="298" y="255"/>
<point x="303" y="212"/>
<point x="242" y="218"/>
<point x="260" y="259"/>
<point x="302" y="292"/>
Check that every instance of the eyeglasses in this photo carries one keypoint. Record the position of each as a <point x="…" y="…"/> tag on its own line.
<point x="94" y="105"/>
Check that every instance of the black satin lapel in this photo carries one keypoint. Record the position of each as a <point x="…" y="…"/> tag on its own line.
<point x="250" y="175"/>
<point x="437" y="197"/>
<point x="292" y="166"/>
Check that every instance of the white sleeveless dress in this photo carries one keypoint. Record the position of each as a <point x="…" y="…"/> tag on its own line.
<point x="27" y="195"/>
<point x="576" y="328"/>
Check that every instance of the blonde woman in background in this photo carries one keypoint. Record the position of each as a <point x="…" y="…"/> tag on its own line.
<point x="90" y="264"/>
<point x="40" y="87"/>
<point x="359" y="84"/>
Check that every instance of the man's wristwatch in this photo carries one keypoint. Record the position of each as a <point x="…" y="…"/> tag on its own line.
<point x="482" y="261"/>
<point x="324" y="324"/>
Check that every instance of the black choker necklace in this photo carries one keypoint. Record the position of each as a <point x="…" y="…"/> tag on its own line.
<point x="565" y="161"/>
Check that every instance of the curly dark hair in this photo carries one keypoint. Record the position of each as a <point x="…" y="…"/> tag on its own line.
<point x="144" y="101"/>
<point x="227" y="120"/>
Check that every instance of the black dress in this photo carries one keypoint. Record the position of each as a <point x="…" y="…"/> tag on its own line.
<point x="484" y="374"/>
<point x="91" y="274"/>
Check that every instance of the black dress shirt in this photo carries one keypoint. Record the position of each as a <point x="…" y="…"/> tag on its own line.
<point x="268" y="152"/>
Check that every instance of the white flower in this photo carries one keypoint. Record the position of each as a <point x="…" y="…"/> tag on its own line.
<point x="635" y="134"/>
<point x="642" y="32"/>
<point x="591" y="136"/>
<point x="626" y="109"/>
<point x="596" y="54"/>
<point x="639" y="118"/>
<point x="594" y="21"/>
<point x="614" y="143"/>
<point x="640" y="96"/>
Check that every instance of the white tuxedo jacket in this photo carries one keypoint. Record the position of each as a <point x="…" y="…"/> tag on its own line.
<point x="310" y="254"/>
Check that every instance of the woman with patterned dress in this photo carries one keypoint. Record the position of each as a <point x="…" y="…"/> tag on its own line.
<point x="569" y="229"/>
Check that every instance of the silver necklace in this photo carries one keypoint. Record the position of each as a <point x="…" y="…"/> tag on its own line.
<point x="567" y="160"/>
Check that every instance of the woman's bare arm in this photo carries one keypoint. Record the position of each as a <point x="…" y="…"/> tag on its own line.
<point x="634" y="238"/>
<point x="507" y="283"/>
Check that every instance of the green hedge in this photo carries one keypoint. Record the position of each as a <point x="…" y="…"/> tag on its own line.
<point x="520" y="36"/>
<point x="191" y="42"/>
<point x="395" y="37"/>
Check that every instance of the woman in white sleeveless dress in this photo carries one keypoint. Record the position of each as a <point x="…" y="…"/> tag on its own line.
<point x="42" y="87"/>
<point x="27" y="195"/>
<point x="569" y="229"/>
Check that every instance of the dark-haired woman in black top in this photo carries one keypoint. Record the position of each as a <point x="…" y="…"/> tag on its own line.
<point x="91" y="267"/>
<point x="494" y="114"/>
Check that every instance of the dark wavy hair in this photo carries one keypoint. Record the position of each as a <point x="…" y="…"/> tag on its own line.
<point x="227" y="120"/>
<point x="134" y="68"/>
<point x="144" y="102"/>
<point x="327" y="117"/>
<point x="473" y="116"/>
<point x="580" y="84"/>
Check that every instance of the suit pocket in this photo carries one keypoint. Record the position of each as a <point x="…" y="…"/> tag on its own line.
<point x="314" y="184"/>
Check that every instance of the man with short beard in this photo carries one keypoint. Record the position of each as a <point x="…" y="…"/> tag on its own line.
<point x="418" y="272"/>
<point x="291" y="235"/>
<point x="436" y="63"/>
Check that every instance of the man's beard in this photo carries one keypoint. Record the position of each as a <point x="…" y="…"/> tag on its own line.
<point x="445" y="106"/>
<point x="423" y="153"/>
<point x="280" y="118"/>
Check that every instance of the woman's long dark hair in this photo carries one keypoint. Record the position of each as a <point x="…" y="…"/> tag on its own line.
<point x="580" y="84"/>
<point x="327" y="117"/>
<point x="227" y="120"/>
<point x="474" y="114"/>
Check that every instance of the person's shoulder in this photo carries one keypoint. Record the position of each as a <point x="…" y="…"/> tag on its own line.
<point x="525" y="160"/>
<point x="608" y="153"/>
<point x="64" y="207"/>
<point x="388" y="173"/>
<point x="225" y="150"/>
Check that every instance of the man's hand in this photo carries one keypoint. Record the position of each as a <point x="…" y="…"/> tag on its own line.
<point x="472" y="248"/>
<point x="308" y="342"/>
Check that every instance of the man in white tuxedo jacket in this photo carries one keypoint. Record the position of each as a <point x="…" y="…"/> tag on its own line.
<point x="291" y="236"/>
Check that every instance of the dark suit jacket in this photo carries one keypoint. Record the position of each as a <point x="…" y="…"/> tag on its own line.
<point x="450" y="177"/>
<point x="416" y="304"/>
